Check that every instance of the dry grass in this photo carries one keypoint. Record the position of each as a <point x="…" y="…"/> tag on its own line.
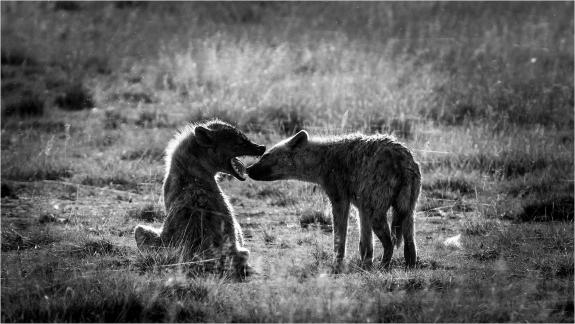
<point x="482" y="93"/>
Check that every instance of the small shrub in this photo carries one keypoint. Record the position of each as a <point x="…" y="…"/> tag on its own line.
<point x="8" y="191"/>
<point x="75" y="97"/>
<point x="27" y="104"/>
<point x="558" y="209"/>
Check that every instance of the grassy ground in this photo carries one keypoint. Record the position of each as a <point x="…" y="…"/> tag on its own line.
<point x="482" y="92"/>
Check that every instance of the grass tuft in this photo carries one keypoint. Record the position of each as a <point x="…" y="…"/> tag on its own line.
<point x="98" y="247"/>
<point x="552" y="209"/>
<point x="8" y="191"/>
<point x="481" y="227"/>
<point x="75" y="97"/>
<point x="313" y="217"/>
<point x="14" y="240"/>
<point x="26" y="104"/>
<point x="455" y="185"/>
<point x="147" y="213"/>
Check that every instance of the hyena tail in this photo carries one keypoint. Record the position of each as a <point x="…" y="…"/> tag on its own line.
<point x="402" y="223"/>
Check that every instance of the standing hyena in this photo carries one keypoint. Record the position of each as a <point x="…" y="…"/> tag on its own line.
<point x="371" y="172"/>
<point x="199" y="216"/>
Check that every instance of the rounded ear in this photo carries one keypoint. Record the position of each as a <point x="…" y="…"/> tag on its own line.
<point x="203" y="136"/>
<point x="298" y="139"/>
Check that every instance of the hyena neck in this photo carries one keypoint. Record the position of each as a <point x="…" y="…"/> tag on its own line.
<point x="191" y="164"/>
<point x="314" y="158"/>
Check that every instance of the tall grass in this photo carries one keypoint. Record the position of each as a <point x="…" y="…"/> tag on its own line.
<point x="452" y="62"/>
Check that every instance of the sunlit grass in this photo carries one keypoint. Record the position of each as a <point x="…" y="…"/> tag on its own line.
<point x="481" y="92"/>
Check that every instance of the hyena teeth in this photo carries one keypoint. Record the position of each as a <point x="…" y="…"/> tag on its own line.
<point x="238" y="166"/>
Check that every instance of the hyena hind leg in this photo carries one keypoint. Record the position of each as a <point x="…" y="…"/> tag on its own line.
<point x="403" y="225"/>
<point x="383" y="233"/>
<point x="147" y="237"/>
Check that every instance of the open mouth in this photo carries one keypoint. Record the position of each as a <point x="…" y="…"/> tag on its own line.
<point x="238" y="169"/>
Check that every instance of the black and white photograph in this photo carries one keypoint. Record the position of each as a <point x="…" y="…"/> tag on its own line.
<point x="287" y="161"/>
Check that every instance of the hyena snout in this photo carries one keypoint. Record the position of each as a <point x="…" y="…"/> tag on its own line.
<point x="257" y="150"/>
<point x="261" y="172"/>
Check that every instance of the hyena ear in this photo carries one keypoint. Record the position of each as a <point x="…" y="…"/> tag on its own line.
<point x="203" y="136"/>
<point x="298" y="139"/>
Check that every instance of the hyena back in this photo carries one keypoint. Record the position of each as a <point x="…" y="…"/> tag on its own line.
<point x="373" y="173"/>
<point x="199" y="216"/>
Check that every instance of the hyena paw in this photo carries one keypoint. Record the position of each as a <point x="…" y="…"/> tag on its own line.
<point x="337" y="266"/>
<point x="367" y="264"/>
<point x="241" y="257"/>
<point x="240" y="263"/>
<point x="146" y="237"/>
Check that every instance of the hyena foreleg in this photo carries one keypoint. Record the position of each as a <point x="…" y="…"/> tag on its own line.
<point x="365" y="239"/>
<point x="340" y="211"/>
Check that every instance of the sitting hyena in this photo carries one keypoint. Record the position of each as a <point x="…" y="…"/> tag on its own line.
<point x="371" y="172"/>
<point x="199" y="216"/>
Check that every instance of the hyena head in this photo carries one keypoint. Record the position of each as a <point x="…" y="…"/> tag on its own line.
<point x="225" y="144"/>
<point x="288" y="159"/>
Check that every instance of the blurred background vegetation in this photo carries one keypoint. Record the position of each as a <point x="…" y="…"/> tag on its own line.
<point x="361" y="65"/>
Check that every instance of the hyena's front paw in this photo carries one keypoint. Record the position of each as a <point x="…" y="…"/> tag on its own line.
<point x="147" y="237"/>
<point x="337" y="266"/>
<point x="240" y="263"/>
<point x="367" y="265"/>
